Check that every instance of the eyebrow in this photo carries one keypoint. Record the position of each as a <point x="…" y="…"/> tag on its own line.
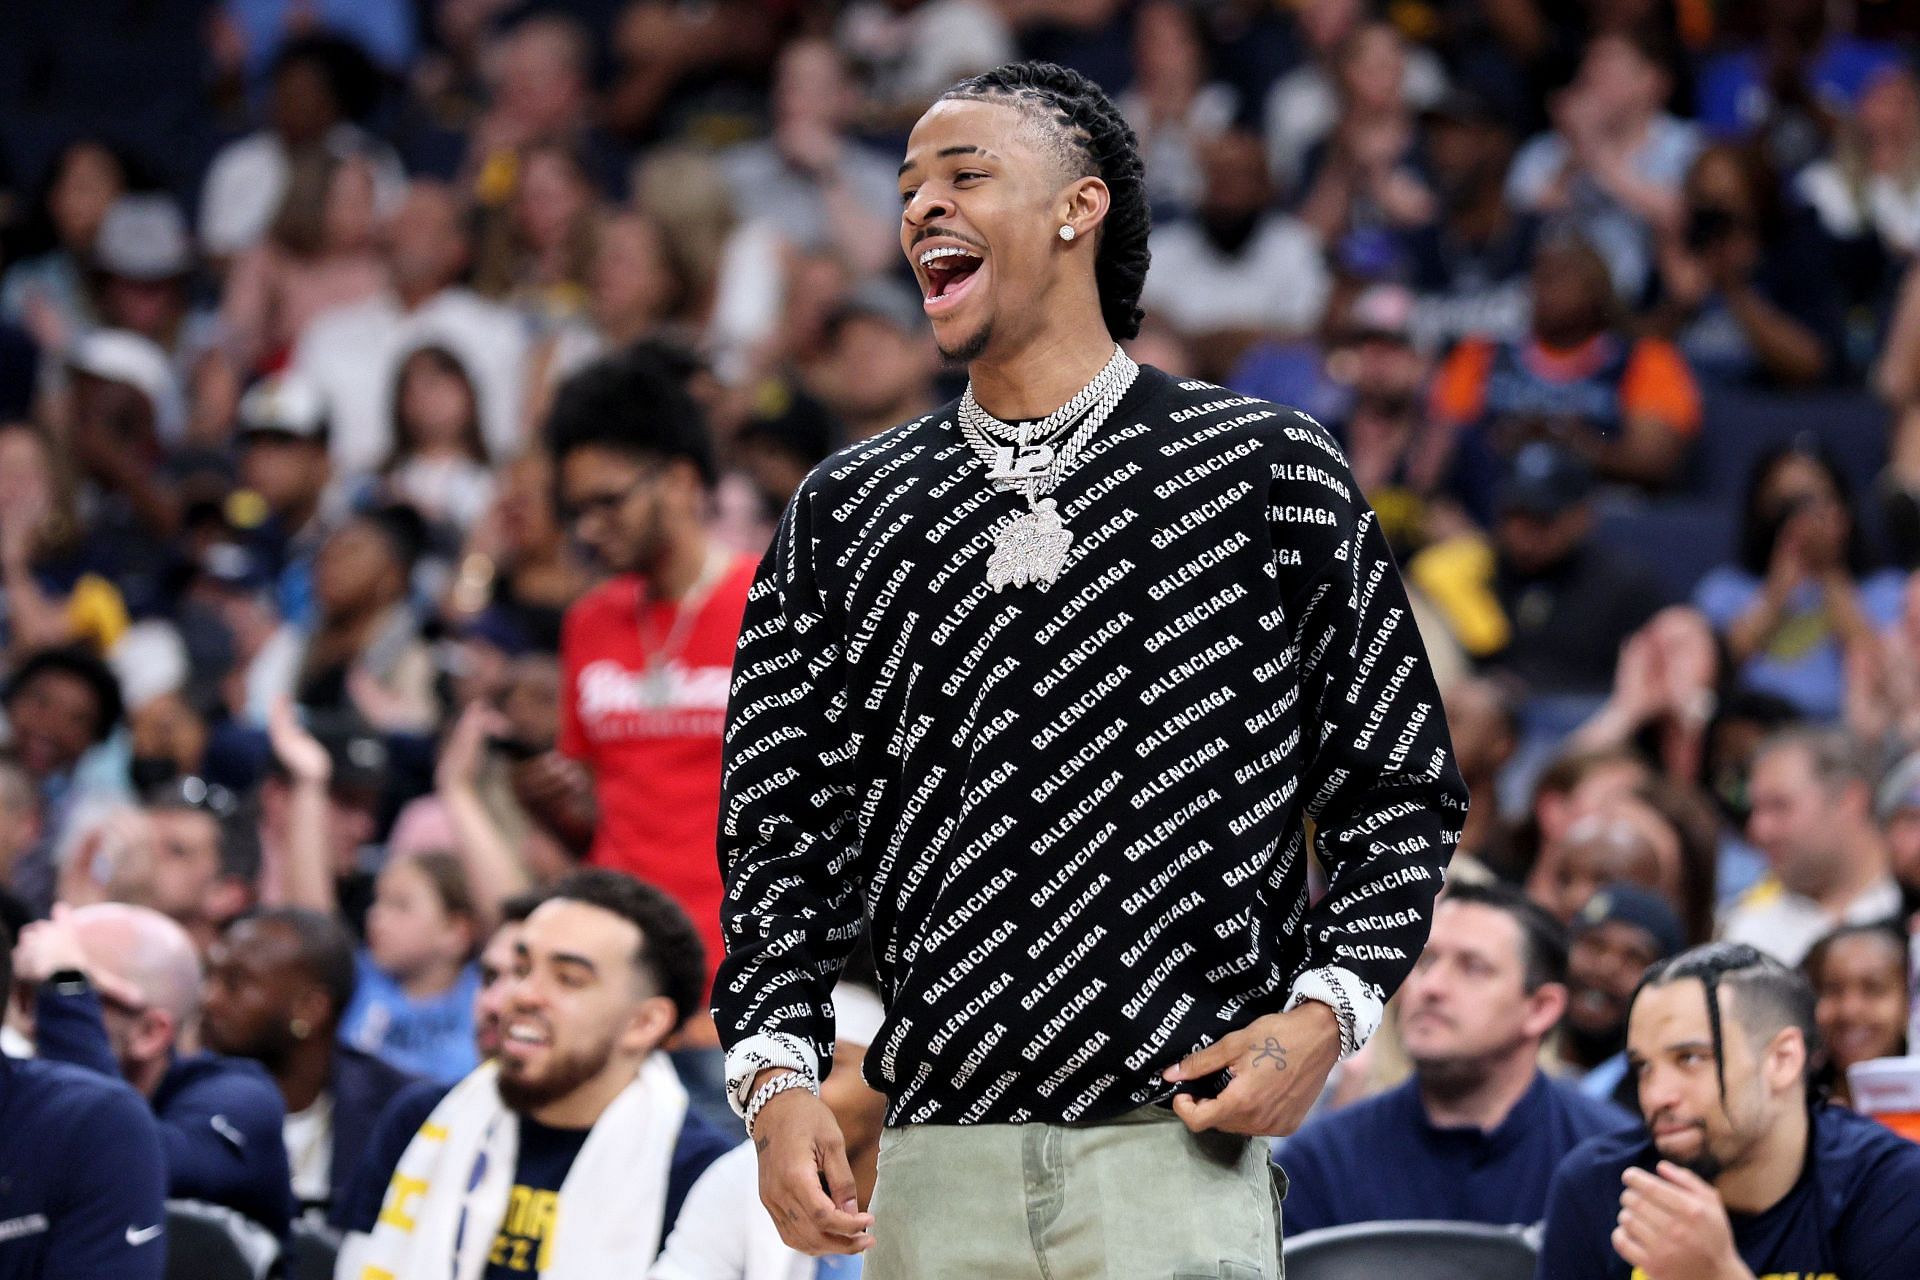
<point x="961" y="149"/>
<point x="568" y="957"/>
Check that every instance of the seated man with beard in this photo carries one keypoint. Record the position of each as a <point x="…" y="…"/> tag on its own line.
<point x="570" y="1155"/>
<point x="1740" y="1171"/>
<point x="1475" y="1134"/>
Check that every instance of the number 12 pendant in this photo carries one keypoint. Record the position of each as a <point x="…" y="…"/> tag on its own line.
<point x="1029" y="463"/>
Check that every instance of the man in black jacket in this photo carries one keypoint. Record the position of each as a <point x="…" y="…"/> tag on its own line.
<point x="277" y="983"/>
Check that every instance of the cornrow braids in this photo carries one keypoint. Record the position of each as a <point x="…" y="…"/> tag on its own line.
<point x="1772" y="995"/>
<point x="1095" y="142"/>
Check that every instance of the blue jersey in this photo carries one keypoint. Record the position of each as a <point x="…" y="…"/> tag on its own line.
<point x="1336" y="1173"/>
<point x="1854" y="1214"/>
<point x="83" y="1183"/>
<point x="430" y="1038"/>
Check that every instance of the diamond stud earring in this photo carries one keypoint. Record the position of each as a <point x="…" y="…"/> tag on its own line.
<point x="1066" y="232"/>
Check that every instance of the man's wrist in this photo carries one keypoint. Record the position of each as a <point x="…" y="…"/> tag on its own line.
<point x="771" y="1074"/>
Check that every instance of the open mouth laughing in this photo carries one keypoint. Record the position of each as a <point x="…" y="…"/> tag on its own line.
<point x="947" y="268"/>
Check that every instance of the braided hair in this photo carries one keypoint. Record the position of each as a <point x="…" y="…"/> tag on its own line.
<point x="1094" y="141"/>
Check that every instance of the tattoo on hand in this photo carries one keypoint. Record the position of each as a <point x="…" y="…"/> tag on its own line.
<point x="1272" y="1051"/>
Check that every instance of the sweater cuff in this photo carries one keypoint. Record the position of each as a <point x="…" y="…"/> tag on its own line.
<point x="758" y="1053"/>
<point x="1356" y="1004"/>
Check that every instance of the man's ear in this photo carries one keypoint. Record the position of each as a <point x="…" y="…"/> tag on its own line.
<point x="1083" y="205"/>
<point x="314" y="1006"/>
<point x="1545" y="1007"/>
<point x="1784" y="1063"/>
<point x="651" y="1025"/>
<point x="152" y="1035"/>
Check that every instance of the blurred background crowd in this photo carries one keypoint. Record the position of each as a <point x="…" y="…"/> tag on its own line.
<point x="1610" y="302"/>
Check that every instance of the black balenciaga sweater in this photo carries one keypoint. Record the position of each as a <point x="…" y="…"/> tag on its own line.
<point x="1072" y="816"/>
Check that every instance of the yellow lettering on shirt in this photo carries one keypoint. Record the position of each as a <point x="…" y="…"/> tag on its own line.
<point x="525" y="1239"/>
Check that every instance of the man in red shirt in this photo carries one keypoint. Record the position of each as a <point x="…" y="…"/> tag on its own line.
<point x="647" y="656"/>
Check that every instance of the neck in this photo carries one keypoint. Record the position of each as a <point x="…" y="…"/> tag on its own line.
<point x="1866" y="863"/>
<point x="306" y="1070"/>
<point x="1042" y="374"/>
<point x="432" y="979"/>
<point x="1587" y="1049"/>
<point x="1484" y="1101"/>
<point x="582" y="1108"/>
<point x="416" y="294"/>
<point x="685" y="561"/>
<point x="1769" y="1172"/>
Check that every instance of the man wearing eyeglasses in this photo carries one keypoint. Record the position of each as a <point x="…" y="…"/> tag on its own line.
<point x="647" y="657"/>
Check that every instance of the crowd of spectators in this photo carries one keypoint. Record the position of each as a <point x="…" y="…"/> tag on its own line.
<point x="395" y="396"/>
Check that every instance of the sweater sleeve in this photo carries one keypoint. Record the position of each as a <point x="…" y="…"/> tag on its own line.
<point x="1381" y="787"/>
<point x="788" y="832"/>
<point x="70" y="1028"/>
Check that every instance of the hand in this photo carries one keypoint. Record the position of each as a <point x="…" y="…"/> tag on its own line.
<point x="800" y="1144"/>
<point x="1672" y="1226"/>
<point x="298" y="751"/>
<point x="1789" y="566"/>
<point x="1684" y="277"/>
<point x="552" y="779"/>
<point x="47" y="947"/>
<point x="1279" y="1065"/>
<point x="1823" y="537"/>
<point x="464" y="749"/>
<point x="1637" y="678"/>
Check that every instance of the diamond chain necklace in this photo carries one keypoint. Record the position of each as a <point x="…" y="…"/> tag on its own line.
<point x="1032" y="547"/>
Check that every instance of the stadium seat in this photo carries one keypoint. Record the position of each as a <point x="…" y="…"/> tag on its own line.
<point x="1739" y="426"/>
<point x="311" y="1252"/>
<point x="212" y="1242"/>
<point x="1411" y="1251"/>
<point x="1677" y="542"/>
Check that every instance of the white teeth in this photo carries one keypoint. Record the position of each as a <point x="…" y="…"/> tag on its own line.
<point x="945" y="251"/>
<point x="525" y="1035"/>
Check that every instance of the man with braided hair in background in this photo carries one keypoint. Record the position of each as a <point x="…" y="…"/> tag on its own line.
<point x="1038" y="689"/>
<point x="1743" y="1169"/>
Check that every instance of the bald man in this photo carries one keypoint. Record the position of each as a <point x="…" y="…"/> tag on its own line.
<point x="1622" y="841"/>
<point x="119" y="993"/>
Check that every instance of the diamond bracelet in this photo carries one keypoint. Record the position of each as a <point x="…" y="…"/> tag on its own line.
<point x="768" y="1091"/>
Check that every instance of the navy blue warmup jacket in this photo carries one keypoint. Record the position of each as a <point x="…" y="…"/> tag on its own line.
<point x="220" y="1118"/>
<point x="83" y="1183"/>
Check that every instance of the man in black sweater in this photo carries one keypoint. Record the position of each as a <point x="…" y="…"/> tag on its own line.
<point x="1038" y="688"/>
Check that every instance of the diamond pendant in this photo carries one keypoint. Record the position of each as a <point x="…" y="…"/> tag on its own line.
<point x="1030" y="549"/>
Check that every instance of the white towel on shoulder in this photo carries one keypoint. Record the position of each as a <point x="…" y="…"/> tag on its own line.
<point x="450" y="1191"/>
